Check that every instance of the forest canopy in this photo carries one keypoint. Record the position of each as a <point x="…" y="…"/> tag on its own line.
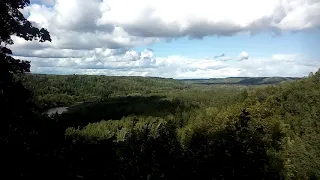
<point x="155" y="127"/>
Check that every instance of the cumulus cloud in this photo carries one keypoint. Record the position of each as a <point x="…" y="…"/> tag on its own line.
<point x="278" y="65"/>
<point x="286" y="57"/>
<point x="202" y="18"/>
<point x="72" y="25"/>
<point x="88" y="24"/>
<point x="104" y="60"/>
<point x="97" y="36"/>
<point x="243" y="56"/>
<point x="145" y="63"/>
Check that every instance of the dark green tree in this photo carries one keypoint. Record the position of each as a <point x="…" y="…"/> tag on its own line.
<point x="12" y="94"/>
<point x="14" y="98"/>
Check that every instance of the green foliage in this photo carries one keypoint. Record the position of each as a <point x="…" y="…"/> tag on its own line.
<point x="241" y="80"/>
<point x="178" y="131"/>
<point x="19" y="128"/>
<point x="59" y="90"/>
<point x="117" y="130"/>
<point x="204" y="136"/>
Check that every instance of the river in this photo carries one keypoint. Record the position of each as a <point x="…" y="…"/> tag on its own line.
<point x="58" y="110"/>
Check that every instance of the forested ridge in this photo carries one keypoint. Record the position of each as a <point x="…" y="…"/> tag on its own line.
<point x="65" y="90"/>
<point x="241" y="80"/>
<point x="174" y="130"/>
<point x="149" y="128"/>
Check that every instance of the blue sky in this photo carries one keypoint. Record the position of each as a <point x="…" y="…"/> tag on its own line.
<point x="259" y="45"/>
<point x="174" y="39"/>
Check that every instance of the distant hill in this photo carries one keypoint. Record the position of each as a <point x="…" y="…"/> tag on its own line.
<point x="65" y="90"/>
<point x="241" y="80"/>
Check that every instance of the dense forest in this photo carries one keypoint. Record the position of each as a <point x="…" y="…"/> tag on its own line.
<point x="150" y="128"/>
<point x="155" y="128"/>
<point x="65" y="90"/>
<point x="241" y="80"/>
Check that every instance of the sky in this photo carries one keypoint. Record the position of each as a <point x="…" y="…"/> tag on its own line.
<point x="174" y="38"/>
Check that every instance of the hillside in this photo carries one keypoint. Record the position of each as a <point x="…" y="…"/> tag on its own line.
<point x="65" y="90"/>
<point x="137" y="127"/>
<point x="241" y="80"/>
<point x="199" y="134"/>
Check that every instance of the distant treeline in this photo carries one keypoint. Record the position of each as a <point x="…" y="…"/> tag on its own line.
<point x="65" y="90"/>
<point x="241" y="80"/>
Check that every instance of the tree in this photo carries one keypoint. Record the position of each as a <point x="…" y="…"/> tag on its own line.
<point x="12" y="93"/>
<point x="15" y="128"/>
<point x="310" y="74"/>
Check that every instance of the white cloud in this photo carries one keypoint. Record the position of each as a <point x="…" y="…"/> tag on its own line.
<point x="277" y="65"/>
<point x="104" y="60"/>
<point x="88" y="24"/>
<point x="243" y="55"/>
<point x="201" y="18"/>
<point x="116" y="62"/>
<point x="95" y="37"/>
<point x="286" y="57"/>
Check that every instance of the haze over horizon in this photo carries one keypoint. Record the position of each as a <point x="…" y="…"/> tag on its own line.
<point x="174" y="39"/>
